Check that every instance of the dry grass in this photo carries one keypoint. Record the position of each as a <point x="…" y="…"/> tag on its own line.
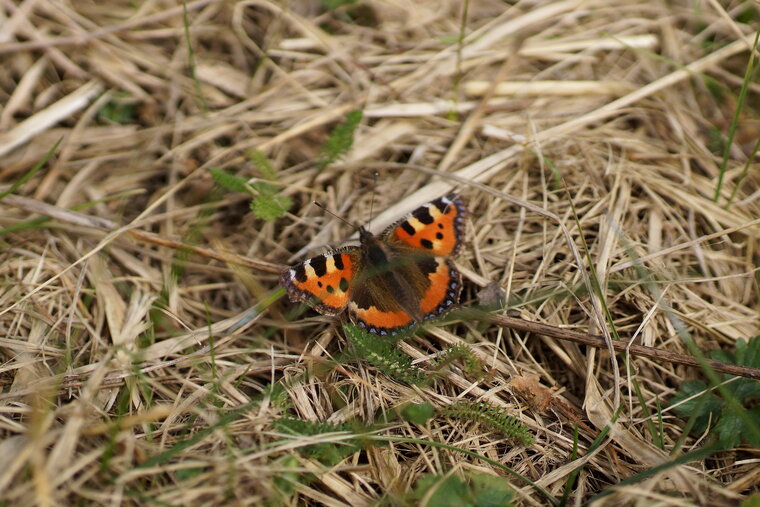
<point x="134" y="372"/>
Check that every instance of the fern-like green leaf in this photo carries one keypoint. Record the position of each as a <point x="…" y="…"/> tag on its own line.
<point x="262" y="163"/>
<point x="328" y="453"/>
<point x="492" y="417"/>
<point x="340" y="140"/>
<point x="384" y="355"/>
<point x="229" y="181"/>
<point x="270" y="207"/>
<point x="268" y="203"/>
<point x="472" y="365"/>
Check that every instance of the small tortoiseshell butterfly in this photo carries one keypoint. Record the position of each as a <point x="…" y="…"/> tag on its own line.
<point x="392" y="281"/>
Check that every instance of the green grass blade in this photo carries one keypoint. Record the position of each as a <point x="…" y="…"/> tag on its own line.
<point x="26" y="177"/>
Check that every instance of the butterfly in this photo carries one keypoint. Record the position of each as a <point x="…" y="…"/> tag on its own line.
<point x="392" y="281"/>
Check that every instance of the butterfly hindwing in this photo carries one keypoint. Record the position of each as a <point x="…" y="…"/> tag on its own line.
<point x="444" y="289"/>
<point x="389" y="303"/>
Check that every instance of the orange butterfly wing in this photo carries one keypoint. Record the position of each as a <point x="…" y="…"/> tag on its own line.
<point x="323" y="281"/>
<point x="436" y="227"/>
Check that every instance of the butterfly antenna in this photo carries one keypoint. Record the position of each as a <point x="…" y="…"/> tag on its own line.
<point x="320" y="205"/>
<point x="372" y="200"/>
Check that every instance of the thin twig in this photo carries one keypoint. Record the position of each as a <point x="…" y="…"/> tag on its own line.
<point x="620" y="346"/>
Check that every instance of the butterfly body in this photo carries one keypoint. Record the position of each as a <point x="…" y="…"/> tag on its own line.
<point x="391" y="281"/>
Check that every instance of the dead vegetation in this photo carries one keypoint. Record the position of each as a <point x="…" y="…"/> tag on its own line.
<point x="134" y="370"/>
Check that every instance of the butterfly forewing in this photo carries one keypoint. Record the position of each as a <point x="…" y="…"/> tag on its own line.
<point x="436" y="227"/>
<point x="324" y="281"/>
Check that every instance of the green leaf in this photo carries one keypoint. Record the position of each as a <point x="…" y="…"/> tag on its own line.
<point x="263" y="164"/>
<point x="732" y="422"/>
<point x="417" y="413"/>
<point x="701" y="407"/>
<point x="331" y="5"/>
<point x="328" y="453"/>
<point x="341" y="139"/>
<point x="268" y="203"/>
<point x="747" y="434"/>
<point x="741" y="351"/>
<point x="472" y="365"/>
<point x="270" y="207"/>
<point x="448" y="491"/>
<point x="286" y="481"/>
<point x="229" y="181"/>
<point x="119" y="109"/>
<point x="184" y="474"/>
<point x="746" y="388"/>
<point x="490" y="491"/>
<point x="479" y="490"/>
<point x="750" y="352"/>
<point x="729" y="430"/>
<point x="722" y="355"/>
<point x="384" y="355"/>
<point x="491" y="416"/>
